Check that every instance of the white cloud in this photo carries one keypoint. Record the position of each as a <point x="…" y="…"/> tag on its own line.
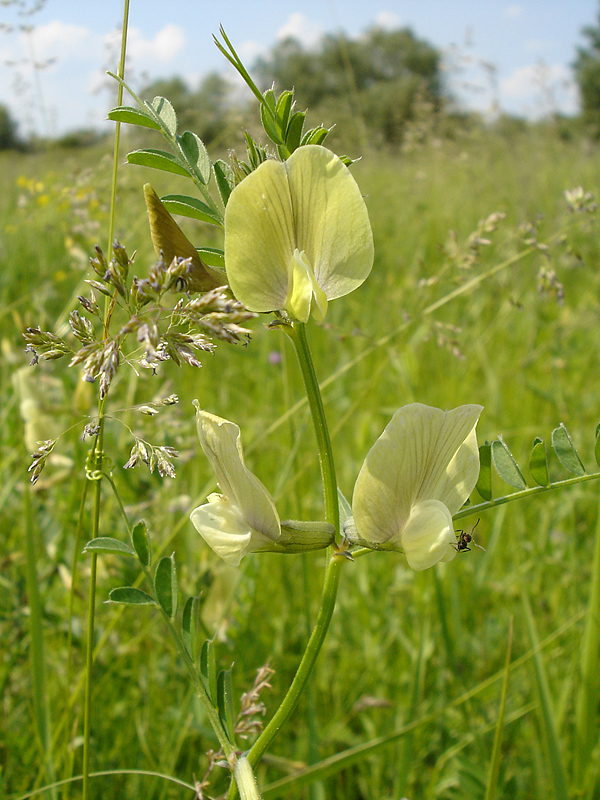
<point x="513" y="11"/>
<point x="164" y="47"/>
<point x="301" y="28"/>
<point x="58" y="40"/>
<point x="539" y="89"/>
<point x="388" y="20"/>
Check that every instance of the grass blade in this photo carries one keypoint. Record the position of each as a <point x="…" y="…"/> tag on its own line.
<point x="557" y="772"/>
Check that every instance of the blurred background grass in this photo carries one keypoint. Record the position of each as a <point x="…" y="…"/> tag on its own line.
<point x="403" y="646"/>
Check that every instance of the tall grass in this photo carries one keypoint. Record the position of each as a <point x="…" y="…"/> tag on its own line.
<point x="414" y="663"/>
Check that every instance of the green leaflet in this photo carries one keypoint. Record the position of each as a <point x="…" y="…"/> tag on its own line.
<point x="484" y="482"/>
<point x="141" y="542"/>
<point x="538" y="462"/>
<point x="225" y="702"/>
<point x="133" y="116"/>
<point x="506" y="466"/>
<point x="165" y="585"/>
<point x="105" y="544"/>
<point x="157" y="159"/>
<point x="166" y="113"/>
<point x="187" y="206"/>
<point x="213" y="257"/>
<point x="208" y="669"/>
<point x="189" y="629"/>
<point x="224" y="179"/>
<point x="565" y="451"/>
<point x="130" y="596"/>
<point x="195" y="153"/>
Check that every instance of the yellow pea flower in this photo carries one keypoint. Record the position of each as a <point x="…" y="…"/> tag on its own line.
<point x="416" y="476"/>
<point x="297" y="234"/>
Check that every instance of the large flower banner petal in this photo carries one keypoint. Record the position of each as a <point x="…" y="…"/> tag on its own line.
<point x="297" y="234"/>
<point x="416" y="476"/>
<point x="243" y="518"/>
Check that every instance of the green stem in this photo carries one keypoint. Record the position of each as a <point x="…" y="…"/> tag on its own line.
<point x="94" y="474"/>
<point x="297" y="334"/>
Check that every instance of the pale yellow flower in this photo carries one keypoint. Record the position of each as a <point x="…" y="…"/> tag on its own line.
<point x="418" y="474"/>
<point x="297" y="235"/>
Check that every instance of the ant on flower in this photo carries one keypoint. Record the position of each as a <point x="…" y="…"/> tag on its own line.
<point x="465" y="539"/>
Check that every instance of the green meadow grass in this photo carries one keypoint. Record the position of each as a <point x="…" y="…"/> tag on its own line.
<point x="421" y="655"/>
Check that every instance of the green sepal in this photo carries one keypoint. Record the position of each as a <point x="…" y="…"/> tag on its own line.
<point x="157" y="159"/>
<point x="208" y="669"/>
<point x="345" y="509"/>
<point x="270" y="126"/>
<point x="283" y="109"/>
<point x="194" y="150"/>
<point x="130" y="596"/>
<point x="538" y="462"/>
<point x="565" y="451"/>
<point x="257" y="154"/>
<point x="213" y="257"/>
<point x="300" y="537"/>
<point x="105" y="544"/>
<point x="224" y="179"/>
<point x="315" y="135"/>
<point x="225" y="703"/>
<point x="484" y="481"/>
<point x="293" y="134"/>
<point x="165" y="585"/>
<point x="191" y="207"/>
<point x="269" y="99"/>
<point x="189" y="629"/>
<point x="133" y="116"/>
<point x="166" y="113"/>
<point x="506" y="466"/>
<point x="141" y="542"/>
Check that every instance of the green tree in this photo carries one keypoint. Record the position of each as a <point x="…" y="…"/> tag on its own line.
<point x="8" y="130"/>
<point x="377" y="79"/>
<point x="587" y="73"/>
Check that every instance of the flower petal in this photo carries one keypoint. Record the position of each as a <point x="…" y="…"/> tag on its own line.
<point x="260" y="238"/>
<point x="221" y="441"/>
<point x="308" y="203"/>
<point x="223" y="528"/>
<point x="331" y="221"/>
<point x="428" y="536"/>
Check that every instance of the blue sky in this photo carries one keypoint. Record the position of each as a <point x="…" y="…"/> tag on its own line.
<point x="513" y="54"/>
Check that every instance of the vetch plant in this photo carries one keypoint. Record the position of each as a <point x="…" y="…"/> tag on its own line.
<point x="296" y="234"/>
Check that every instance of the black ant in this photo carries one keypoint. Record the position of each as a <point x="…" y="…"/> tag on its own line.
<point x="465" y="539"/>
